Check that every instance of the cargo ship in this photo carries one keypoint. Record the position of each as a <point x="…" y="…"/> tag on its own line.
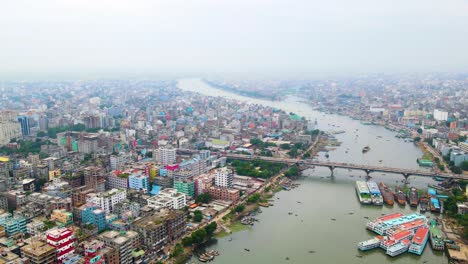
<point x="400" y="196"/>
<point x="437" y="241"/>
<point x="372" y="224"/>
<point x="413" y="197"/>
<point x="376" y="196"/>
<point x="386" y="194"/>
<point x="424" y="203"/>
<point x="370" y="244"/>
<point x="434" y="204"/>
<point x="363" y="193"/>
<point x="419" y="241"/>
<point x="399" y="248"/>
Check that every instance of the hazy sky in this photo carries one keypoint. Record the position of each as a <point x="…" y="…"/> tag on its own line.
<point x="239" y="36"/>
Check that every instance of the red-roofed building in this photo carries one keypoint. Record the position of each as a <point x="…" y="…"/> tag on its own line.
<point x="63" y="240"/>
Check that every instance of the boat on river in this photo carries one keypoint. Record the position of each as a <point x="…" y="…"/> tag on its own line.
<point x="400" y="196"/>
<point x="419" y="241"/>
<point x="413" y="197"/>
<point x="387" y="193"/>
<point x="436" y="239"/>
<point x="370" y="244"/>
<point x="365" y="149"/>
<point x="363" y="193"/>
<point x="376" y="196"/>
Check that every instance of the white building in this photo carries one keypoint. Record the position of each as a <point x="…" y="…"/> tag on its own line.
<point x="440" y="115"/>
<point x="107" y="200"/>
<point x="168" y="198"/>
<point x="165" y="156"/>
<point x="223" y="178"/>
<point x="9" y="127"/>
<point x="35" y="227"/>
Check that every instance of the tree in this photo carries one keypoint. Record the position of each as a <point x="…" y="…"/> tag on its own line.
<point x="239" y="208"/>
<point x="417" y="139"/>
<point x="254" y="198"/>
<point x="420" y="131"/>
<point x="464" y="165"/>
<point x="197" y="216"/>
<point x="456" y="169"/>
<point x="211" y="228"/>
<point x="41" y="134"/>
<point x="204" y="198"/>
<point x="285" y="146"/>
<point x="187" y="241"/>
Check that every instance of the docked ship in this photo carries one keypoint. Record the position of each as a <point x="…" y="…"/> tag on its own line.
<point x="434" y="204"/>
<point x="365" y="149"/>
<point x="372" y="224"/>
<point x="382" y="227"/>
<point x="376" y="196"/>
<point x="370" y="244"/>
<point x="399" y="248"/>
<point x="413" y="197"/>
<point x="424" y="203"/>
<point x="363" y="193"/>
<point x="412" y="226"/>
<point x="419" y="241"/>
<point x="390" y="241"/>
<point x="386" y="194"/>
<point x="437" y="241"/>
<point x="400" y="196"/>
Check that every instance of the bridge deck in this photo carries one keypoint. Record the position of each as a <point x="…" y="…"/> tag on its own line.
<point x="369" y="168"/>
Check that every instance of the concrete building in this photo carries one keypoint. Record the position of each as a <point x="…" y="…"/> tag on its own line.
<point x="9" y="127"/>
<point x="117" y="180"/>
<point x="223" y="178"/>
<point x="122" y="242"/>
<point x="39" y="252"/>
<point x="440" y="115"/>
<point x="138" y="181"/>
<point x="222" y="193"/>
<point x="13" y="224"/>
<point x="94" y="178"/>
<point x="107" y="200"/>
<point x="24" y="123"/>
<point x="187" y="187"/>
<point x="203" y="182"/>
<point x="159" y="229"/>
<point x="165" y="156"/>
<point x="168" y="198"/>
<point x="63" y="240"/>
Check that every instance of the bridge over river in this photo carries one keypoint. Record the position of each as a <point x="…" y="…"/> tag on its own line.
<point x="338" y="165"/>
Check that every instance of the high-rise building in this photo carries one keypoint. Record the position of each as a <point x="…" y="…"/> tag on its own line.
<point x="24" y="123"/>
<point x="95" y="178"/>
<point x="224" y="178"/>
<point x="187" y="187"/>
<point x="165" y="156"/>
<point x="9" y="127"/>
<point x="43" y="123"/>
<point x="63" y="240"/>
<point x="440" y="115"/>
<point x="168" y="198"/>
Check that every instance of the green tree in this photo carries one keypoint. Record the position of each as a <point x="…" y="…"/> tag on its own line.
<point x="464" y="165"/>
<point x="211" y="228"/>
<point x="187" y="241"/>
<point x="420" y="130"/>
<point x="254" y="198"/>
<point x="239" y="208"/>
<point x="204" y="198"/>
<point x="197" y="216"/>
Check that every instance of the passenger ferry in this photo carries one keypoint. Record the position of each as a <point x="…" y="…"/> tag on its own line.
<point x="390" y="241"/>
<point x="374" y="190"/>
<point x="399" y="248"/>
<point x="382" y="228"/>
<point x="363" y="193"/>
<point x="437" y="241"/>
<point x="370" y="244"/>
<point x="419" y="241"/>
<point x="413" y="225"/>
<point x="372" y="224"/>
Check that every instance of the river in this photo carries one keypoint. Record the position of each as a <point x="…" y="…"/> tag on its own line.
<point x="311" y="236"/>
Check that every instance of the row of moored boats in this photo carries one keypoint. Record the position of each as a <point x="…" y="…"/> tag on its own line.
<point x="371" y="193"/>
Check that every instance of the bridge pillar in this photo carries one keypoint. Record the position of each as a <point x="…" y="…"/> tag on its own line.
<point x="368" y="173"/>
<point x="406" y="175"/>
<point x="332" y="169"/>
